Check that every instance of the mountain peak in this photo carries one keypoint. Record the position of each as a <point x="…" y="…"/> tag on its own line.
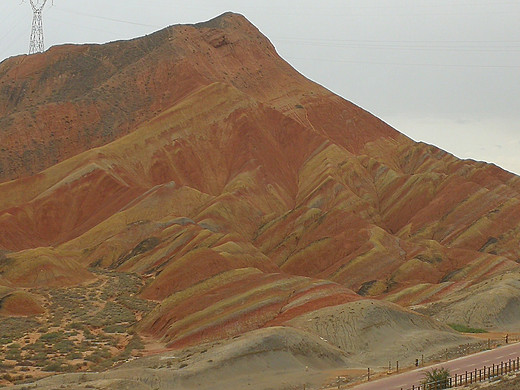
<point x="225" y="20"/>
<point x="73" y="98"/>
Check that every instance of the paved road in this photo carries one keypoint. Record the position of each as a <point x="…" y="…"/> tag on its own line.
<point x="457" y="366"/>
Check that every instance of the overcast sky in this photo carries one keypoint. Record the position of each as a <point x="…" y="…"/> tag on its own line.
<point x="446" y="72"/>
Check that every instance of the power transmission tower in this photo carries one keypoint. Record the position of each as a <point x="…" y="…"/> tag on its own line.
<point x="36" y="45"/>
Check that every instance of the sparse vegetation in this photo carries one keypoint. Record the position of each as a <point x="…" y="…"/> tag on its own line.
<point x="84" y="328"/>
<point x="436" y="378"/>
<point x="466" y="329"/>
<point x="51" y="337"/>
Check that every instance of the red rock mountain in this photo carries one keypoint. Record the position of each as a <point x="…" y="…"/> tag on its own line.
<point x="243" y="193"/>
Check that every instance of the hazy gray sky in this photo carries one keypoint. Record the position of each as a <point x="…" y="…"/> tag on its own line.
<point x="446" y="72"/>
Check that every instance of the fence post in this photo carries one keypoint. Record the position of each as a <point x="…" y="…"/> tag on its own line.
<point x="484" y="372"/>
<point x="466" y="377"/>
<point x="397" y="366"/>
<point x="493" y="369"/>
<point x="368" y="374"/>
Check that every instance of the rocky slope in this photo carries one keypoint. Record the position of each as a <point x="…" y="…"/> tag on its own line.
<point x="241" y="194"/>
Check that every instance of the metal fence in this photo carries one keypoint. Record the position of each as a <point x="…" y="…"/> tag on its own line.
<point x="469" y="377"/>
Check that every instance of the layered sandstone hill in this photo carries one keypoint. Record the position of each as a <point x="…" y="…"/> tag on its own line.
<point x="245" y="195"/>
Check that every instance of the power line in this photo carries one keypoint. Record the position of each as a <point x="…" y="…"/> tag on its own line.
<point x="436" y="65"/>
<point x="110" y="19"/>
<point x="485" y="46"/>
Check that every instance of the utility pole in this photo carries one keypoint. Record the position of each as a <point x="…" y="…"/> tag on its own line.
<point x="36" y="45"/>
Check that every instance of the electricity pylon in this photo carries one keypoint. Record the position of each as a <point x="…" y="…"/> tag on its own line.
<point x="36" y="45"/>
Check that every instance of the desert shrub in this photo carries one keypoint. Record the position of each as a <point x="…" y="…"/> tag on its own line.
<point x="137" y="304"/>
<point x="25" y="363"/>
<point x="40" y="359"/>
<point x="37" y="346"/>
<point x="64" y="346"/>
<point x="436" y="378"/>
<point x="40" y="356"/>
<point x="98" y="356"/>
<point x="104" y="338"/>
<point x="67" y="368"/>
<point x="52" y="367"/>
<point x="75" y="326"/>
<point x="16" y="327"/>
<point x="104" y="364"/>
<point x="88" y="334"/>
<point x="135" y="343"/>
<point x="51" y="337"/>
<point x="74" y="355"/>
<point x="112" y="313"/>
<point x="114" y="329"/>
<point x="13" y="354"/>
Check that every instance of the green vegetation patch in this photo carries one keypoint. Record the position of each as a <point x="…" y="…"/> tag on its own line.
<point x="16" y="327"/>
<point x="112" y="314"/>
<point x="51" y="337"/>
<point x="466" y="329"/>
